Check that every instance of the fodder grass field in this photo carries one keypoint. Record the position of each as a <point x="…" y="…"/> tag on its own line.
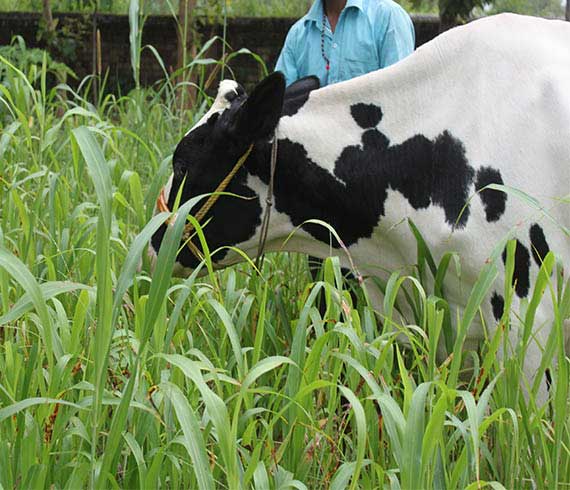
<point x="115" y="377"/>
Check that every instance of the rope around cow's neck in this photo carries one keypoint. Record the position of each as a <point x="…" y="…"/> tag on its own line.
<point x="268" y="205"/>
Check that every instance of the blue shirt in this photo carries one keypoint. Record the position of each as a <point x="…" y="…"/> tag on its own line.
<point x="370" y="34"/>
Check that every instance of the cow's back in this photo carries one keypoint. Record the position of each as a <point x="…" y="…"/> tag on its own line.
<point x="505" y="73"/>
<point x="498" y="89"/>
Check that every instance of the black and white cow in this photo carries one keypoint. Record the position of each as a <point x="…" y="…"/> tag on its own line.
<point x="485" y="103"/>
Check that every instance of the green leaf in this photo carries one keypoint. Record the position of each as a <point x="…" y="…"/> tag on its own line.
<point x="360" y="419"/>
<point x="262" y="367"/>
<point x="17" y="407"/>
<point x="20" y="273"/>
<point x="193" y="439"/>
<point x="49" y="290"/>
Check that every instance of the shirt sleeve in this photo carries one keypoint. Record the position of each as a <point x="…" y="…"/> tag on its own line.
<point x="287" y="61"/>
<point x="399" y="38"/>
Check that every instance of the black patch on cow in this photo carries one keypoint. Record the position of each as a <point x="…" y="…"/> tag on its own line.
<point x="521" y="274"/>
<point x="494" y="201"/>
<point x="192" y="145"/>
<point x="498" y="305"/>
<point x="539" y="245"/>
<point x="425" y="172"/>
<point x="366" y="115"/>
<point x="297" y="94"/>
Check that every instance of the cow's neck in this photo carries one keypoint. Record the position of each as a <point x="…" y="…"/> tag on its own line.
<point x="306" y="191"/>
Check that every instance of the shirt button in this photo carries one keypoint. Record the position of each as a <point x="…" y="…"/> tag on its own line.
<point x="335" y="45"/>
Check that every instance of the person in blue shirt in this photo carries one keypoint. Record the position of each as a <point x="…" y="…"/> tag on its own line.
<point x="341" y="39"/>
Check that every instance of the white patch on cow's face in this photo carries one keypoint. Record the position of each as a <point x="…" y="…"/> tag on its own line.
<point x="221" y="103"/>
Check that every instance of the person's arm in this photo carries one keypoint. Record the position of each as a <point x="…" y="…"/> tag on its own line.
<point x="398" y="39"/>
<point x="287" y="61"/>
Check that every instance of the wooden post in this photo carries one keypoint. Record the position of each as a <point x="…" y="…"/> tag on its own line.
<point x="568" y="10"/>
<point x="185" y="46"/>
<point x="48" y="17"/>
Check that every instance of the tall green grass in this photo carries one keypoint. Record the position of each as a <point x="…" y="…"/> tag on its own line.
<point x="111" y="377"/>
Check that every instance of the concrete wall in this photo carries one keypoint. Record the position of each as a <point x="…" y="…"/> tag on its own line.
<point x="263" y="36"/>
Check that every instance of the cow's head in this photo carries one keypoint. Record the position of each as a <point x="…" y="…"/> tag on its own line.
<point x="209" y="151"/>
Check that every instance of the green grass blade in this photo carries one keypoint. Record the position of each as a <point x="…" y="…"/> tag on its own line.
<point x="193" y="440"/>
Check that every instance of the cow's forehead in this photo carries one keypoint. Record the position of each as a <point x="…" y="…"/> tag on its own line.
<point x="228" y="90"/>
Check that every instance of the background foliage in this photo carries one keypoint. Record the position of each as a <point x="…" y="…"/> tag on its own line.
<point x="289" y="8"/>
<point x="293" y="8"/>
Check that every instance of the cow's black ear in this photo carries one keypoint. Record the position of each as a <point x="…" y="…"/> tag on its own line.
<point x="297" y="94"/>
<point x="260" y="113"/>
<point x="303" y="86"/>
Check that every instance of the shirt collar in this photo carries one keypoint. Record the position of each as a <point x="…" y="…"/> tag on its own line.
<point x="315" y="14"/>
